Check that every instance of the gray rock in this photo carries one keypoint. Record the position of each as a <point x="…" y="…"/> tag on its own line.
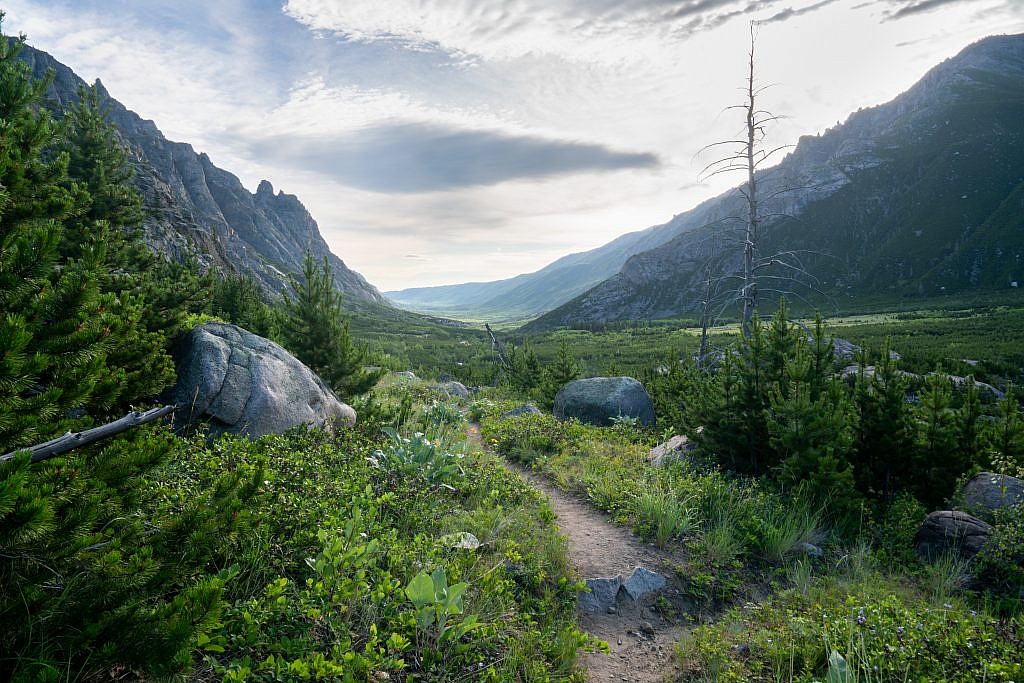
<point x="813" y="551"/>
<point x="953" y="531"/>
<point x="602" y="595"/>
<point x="987" y="492"/>
<point x="643" y="581"/>
<point x="599" y="399"/>
<point x="456" y="389"/>
<point x="406" y="374"/>
<point x="244" y="384"/>
<point x="671" y="450"/>
<point x="525" y="409"/>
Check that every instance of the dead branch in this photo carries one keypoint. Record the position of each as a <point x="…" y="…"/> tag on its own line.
<point x="70" y="441"/>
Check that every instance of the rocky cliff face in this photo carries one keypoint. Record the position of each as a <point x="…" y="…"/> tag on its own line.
<point x="923" y="195"/>
<point x="194" y="207"/>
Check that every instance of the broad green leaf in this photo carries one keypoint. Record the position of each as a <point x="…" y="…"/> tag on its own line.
<point x="420" y="590"/>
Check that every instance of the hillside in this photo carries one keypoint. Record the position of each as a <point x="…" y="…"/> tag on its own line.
<point x="921" y="196"/>
<point x="195" y="208"/>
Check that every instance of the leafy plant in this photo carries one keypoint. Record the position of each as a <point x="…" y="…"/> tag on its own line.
<point x="419" y="456"/>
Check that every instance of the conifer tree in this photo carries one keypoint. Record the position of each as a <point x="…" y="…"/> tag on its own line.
<point x="316" y="331"/>
<point x="884" y="443"/>
<point x="239" y="300"/>
<point x="90" y="580"/>
<point x="940" y="460"/>
<point x="563" y="370"/>
<point x="524" y="372"/>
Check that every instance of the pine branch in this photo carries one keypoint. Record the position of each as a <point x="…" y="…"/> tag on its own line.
<point x="70" y="441"/>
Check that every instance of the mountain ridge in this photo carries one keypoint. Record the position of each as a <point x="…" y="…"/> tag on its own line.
<point x="195" y="208"/>
<point x="908" y="199"/>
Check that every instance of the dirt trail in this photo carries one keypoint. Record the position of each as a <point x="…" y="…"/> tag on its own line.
<point x="640" y="639"/>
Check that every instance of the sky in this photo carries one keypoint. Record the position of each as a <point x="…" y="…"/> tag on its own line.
<point x="446" y="141"/>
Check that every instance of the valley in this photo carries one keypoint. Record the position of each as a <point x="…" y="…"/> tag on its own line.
<point x="225" y="455"/>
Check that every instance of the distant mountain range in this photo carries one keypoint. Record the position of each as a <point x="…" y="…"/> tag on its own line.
<point x="195" y="208"/>
<point x="920" y="196"/>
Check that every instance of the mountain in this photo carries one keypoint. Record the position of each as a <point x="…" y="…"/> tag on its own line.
<point x="529" y="295"/>
<point x="195" y="208"/>
<point x="920" y="196"/>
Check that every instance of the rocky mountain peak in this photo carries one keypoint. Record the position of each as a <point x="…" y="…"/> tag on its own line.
<point x="196" y="209"/>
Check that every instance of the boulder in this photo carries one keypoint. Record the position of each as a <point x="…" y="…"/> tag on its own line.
<point x="987" y="492"/>
<point x="599" y="399"/>
<point x="406" y="374"/>
<point x="455" y="389"/>
<point x="525" y="409"/>
<point x="951" y="531"/>
<point x="671" y="450"/>
<point x="244" y="384"/>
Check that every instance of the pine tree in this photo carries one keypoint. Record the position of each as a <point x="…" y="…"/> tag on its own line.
<point x="524" y="372"/>
<point x="239" y="300"/>
<point x="90" y="579"/>
<point x="940" y="461"/>
<point x="316" y="331"/>
<point x="556" y="375"/>
<point x="810" y="428"/>
<point x="884" y="445"/>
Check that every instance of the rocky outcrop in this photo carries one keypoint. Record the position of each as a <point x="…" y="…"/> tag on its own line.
<point x="194" y="208"/>
<point x="598" y="400"/>
<point x="918" y="196"/>
<point x="951" y="531"/>
<point x="241" y="383"/>
<point x="987" y="492"/>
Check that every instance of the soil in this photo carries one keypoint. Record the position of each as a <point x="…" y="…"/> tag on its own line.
<point x="640" y="636"/>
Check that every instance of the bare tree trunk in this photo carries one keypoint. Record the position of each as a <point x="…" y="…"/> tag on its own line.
<point x="496" y="346"/>
<point x="70" y="441"/>
<point x="704" y="320"/>
<point x="750" y="238"/>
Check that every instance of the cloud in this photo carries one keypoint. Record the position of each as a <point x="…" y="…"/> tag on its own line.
<point x="430" y="157"/>
<point x="790" y="12"/>
<point x="599" y="30"/>
<point x="907" y="8"/>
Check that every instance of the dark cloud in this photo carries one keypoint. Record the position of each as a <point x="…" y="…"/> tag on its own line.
<point x="421" y="157"/>
<point x="789" y="12"/>
<point x="907" y="8"/>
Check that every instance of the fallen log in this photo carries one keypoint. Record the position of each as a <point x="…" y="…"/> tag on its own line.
<point x="70" y="441"/>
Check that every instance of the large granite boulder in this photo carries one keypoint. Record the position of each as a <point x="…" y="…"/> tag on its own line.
<point x="953" y="531"/>
<point x="598" y="400"/>
<point x="244" y="384"/>
<point x="987" y="492"/>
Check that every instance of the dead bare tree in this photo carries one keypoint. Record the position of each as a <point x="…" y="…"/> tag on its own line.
<point x="749" y="155"/>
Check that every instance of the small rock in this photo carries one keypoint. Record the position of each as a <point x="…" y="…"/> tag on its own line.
<point x="647" y="628"/>
<point x="813" y="551"/>
<point x="406" y="374"/>
<point x="611" y="610"/>
<point x="602" y="595"/>
<point x="643" y="581"/>
<point x="670" y="451"/>
<point x="525" y="409"/>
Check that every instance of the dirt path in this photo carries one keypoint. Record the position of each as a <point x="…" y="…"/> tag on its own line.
<point x="640" y="638"/>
